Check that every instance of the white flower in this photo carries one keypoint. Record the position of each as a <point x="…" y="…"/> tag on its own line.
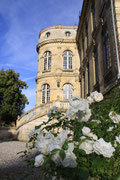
<point x="114" y="117"/>
<point x="78" y="104"/>
<point x="86" y="116"/>
<point x="43" y="142"/>
<point x="103" y="148"/>
<point x="97" y="121"/>
<point x="86" y="131"/>
<point x="82" y="137"/>
<point x="62" y="136"/>
<point x="79" y="108"/>
<point x="97" y="96"/>
<point x="94" y="97"/>
<point x="52" y="110"/>
<point x="70" y="158"/>
<point x="87" y="146"/>
<point x="39" y="160"/>
<point x="75" y="102"/>
<point x="56" y="158"/>
<point x="117" y="139"/>
<point x="42" y="146"/>
<point x="93" y="136"/>
<point x="90" y="99"/>
<point x="71" y="114"/>
<point x="110" y="129"/>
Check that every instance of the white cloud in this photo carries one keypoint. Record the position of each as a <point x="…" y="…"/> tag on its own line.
<point x="27" y="79"/>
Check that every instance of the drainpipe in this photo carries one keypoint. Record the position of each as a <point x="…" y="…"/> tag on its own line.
<point x="115" y="37"/>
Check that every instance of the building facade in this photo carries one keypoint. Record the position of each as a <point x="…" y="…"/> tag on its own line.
<point x="58" y="65"/>
<point x="57" y="77"/>
<point x="75" y="61"/>
<point x="98" y="39"/>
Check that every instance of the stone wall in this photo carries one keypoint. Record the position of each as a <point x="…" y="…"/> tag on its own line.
<point x="35" y="117"/>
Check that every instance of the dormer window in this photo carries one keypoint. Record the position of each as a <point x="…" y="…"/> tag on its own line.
<point x="67" y="34"/>
<point x="47" y="34"/>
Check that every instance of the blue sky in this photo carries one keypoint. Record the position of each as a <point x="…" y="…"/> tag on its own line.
<point x="20" y="24"/>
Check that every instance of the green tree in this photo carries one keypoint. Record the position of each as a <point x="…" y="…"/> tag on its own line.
<point x="12" y="101"/>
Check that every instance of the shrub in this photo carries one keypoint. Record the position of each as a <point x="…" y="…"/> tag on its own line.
<point x="83" y="143"/>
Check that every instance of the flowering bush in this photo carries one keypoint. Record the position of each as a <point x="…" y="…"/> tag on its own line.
<point x="74" y="146"/>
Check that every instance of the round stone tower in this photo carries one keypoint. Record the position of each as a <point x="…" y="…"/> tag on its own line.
<point x="58" y="64"/>
<point x="57" y="78"/>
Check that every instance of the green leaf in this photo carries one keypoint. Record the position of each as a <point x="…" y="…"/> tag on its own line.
<point x="62" y="154"/>
<point x="54" y="151"/>
<point x="37" y="127"/>
<point x="65" y="145"/>
<point x="81" y="151"/>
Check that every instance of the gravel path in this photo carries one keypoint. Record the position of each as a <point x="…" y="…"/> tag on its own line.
<point x="12" y="167"/>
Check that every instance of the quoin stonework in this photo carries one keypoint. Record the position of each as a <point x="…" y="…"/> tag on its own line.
<point x="75" y="61"/>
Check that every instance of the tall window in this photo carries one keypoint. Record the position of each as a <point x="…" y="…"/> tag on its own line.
<point x="106" y="47"/>
<point x="45" y="93"/>
<point x="93" y="14"/>
<point x="96" y="64"/>
<point x="67" y="91"/>
<point x="67" y="60"/>
<point x="86" y="31"/>
<point x="83" y="45"/>
<point x="88" y="73"/>
<point x="47" y="60"/>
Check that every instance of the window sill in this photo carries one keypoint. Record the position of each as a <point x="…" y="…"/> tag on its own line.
<point x="45" y="71"/>
<point x="67" y="70"/>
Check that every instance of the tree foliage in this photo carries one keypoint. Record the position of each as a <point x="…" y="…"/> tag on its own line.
<point x="12" y="101"/>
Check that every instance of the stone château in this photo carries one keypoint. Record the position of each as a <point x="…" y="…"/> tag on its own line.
<point x="75" y="61"/>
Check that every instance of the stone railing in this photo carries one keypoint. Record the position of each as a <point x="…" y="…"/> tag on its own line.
<point x="40" y="111"/>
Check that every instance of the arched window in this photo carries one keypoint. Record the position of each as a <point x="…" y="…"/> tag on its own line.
<point x="47" y="34"/>
<point x="67" y="33"/>
<point x="47" y="60"/>
<point x="67" y="60"/>
<point x="67" y="91"/>
<point x="45" y="93"/>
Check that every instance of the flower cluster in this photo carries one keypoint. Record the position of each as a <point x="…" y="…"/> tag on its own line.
<point x="80" y="143"/>
<point x="46" y="143"/>
<point x="79" y="108"/>
<point x="95" y="145"/>
<point x="94" y="97"/>
<point x="114" y="117"/>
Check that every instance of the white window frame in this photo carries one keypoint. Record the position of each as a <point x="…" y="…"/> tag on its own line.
<point x="67" y="60"/>
<point x="67" y="91"/>
<point x="47" y="60"/>
<point x="45" y="93"/>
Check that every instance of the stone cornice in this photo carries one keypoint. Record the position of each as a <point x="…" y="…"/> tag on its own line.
<point x="56" y="75"/>
<point x="54" y="41"/>
<point x="58" y="27"/>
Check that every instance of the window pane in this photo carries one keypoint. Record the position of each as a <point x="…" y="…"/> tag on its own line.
<point x="49" y="63"/>
<point x="67" y="91"/>
<point x="45" y="93"/>
<point x="106" y="46"/>
<point x="67" y="60"/>
<point x="47" y="60"/>
<point x="45" y="63"/>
